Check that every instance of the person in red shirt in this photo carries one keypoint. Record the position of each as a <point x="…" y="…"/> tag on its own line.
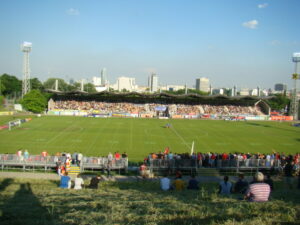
<point x="143" y="170"/>
<point x="117" y="156"/>
<point x="44" y="153"/>
<point x="167" y="150"/>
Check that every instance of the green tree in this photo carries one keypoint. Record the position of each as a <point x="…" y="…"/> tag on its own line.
<point x="62" y="85"/>
<point x="35" y="84"/>
<point x="90" y="88"/>
<point x="279" y="102"/>
<point x="34" y="101"/>
<point x="11" y="85"/>
<point x="198" y="92"/>
<point x="2" y="88"/>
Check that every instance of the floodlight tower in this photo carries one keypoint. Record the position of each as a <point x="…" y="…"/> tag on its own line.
<point x="26" y="48"/>
<point x="295" y="77"/>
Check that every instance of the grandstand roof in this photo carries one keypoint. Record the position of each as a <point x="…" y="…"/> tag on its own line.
<point x="155" y="95"/>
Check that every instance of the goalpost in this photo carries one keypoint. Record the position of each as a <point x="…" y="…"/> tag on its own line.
<point x="14" y="123"/>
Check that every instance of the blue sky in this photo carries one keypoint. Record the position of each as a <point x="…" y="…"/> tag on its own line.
<point x="247" y="43"/>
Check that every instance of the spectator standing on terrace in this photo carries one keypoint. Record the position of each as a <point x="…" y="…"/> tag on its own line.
<point x="225" y="186"/>
<point x="260" y="191"/>
<point x="110" y="157"/>
<point x="65" y="181"/>
<point x="124" y="155"/>
<point x="74" y="158"/>
<point x="241" y="185"/>
<point x="79" y="159"/>
<point x="26" y="154"/>
<point x="117" y="156"/>
<point x="143" y="170"/>
<point x="288" y="172"/>
<point x="19" y="154"/>
<point x="193" y="183"/>
<point x="78" y="182"/>
<point x="44" y="153"/>
<point x="165" y="183"/>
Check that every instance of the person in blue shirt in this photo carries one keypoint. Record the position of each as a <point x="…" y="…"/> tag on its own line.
<point x="193" y="183"/>
<point x="65" y="181"/>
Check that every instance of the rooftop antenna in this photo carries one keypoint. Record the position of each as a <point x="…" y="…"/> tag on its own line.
<point x="295" y="77"/>
<point x="26" y="48"/>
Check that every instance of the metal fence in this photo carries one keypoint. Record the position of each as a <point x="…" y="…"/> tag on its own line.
<point x="50" y="162"/>
<point x="186" y="164"/>
<point x="104" y="163"/>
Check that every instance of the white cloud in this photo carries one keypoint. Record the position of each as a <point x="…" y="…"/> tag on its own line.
<point x="274" y="42"/>
<point x="73" y="12"/>
<point x="252" y="24"/>
<point x="262" y="6"/>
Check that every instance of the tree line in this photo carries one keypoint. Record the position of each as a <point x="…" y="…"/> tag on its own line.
<point x="11" y="86"/>
<point x="36" y="100"/>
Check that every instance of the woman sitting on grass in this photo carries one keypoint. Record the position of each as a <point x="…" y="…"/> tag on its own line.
<point x="78" y="182"/>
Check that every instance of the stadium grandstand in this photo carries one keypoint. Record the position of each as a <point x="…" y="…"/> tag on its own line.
<point x="163" y="105"/>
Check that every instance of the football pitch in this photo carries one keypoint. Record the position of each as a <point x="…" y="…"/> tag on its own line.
<point x="139" y="137"/>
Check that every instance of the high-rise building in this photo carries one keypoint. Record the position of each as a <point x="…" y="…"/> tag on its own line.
<point x="202" y="84"/>
<point x="153" y="83"/>
<point x="103" y="77"/>
<point x="125" y="83"/>
<point x="280" y="87"/>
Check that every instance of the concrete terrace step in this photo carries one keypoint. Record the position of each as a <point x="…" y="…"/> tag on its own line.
<point x="208" y="172"/>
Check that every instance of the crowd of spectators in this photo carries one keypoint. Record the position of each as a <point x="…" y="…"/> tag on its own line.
<point x="172" y="109"/>
<point x="227" y="159"/>
<point x="104" y="107"/>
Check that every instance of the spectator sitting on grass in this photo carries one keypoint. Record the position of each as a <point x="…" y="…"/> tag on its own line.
<point x="225" y="186"/>
<point x="165" y="183"/>
<point x="94" y="182"/>
<point x="193" y="183"/>
<point x="241" y="185"/>
<point x="65" y="181"/>
<point x="259" y="191"/>
<point x="179" y="183"/>
<point x="78" y="182"/>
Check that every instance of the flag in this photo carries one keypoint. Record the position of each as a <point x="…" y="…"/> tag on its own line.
<point x="192" y="149"/>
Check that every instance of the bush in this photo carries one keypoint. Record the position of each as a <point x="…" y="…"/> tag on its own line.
<point x="34" y="101"/>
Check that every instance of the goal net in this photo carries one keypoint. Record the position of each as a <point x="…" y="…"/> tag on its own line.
<point x="14" y="123"/>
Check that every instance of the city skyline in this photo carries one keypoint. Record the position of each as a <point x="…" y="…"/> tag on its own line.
<point x="244" y="43"/>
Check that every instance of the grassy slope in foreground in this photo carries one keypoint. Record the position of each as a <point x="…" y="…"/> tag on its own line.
<point x="139" y="137"/>
<point x="42" y="202"/>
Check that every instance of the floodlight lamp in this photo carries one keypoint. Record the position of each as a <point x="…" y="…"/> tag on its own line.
<point x="26" y="46"/>
<point x="296" y="57"/>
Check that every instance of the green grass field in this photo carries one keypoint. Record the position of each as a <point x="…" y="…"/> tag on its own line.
<point x="29" y="202"/>
<point x="139" y="137"/>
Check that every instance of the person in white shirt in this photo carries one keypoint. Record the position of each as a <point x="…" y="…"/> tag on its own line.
<point x="165" y="183"/>
<point x="78" y="182"/>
